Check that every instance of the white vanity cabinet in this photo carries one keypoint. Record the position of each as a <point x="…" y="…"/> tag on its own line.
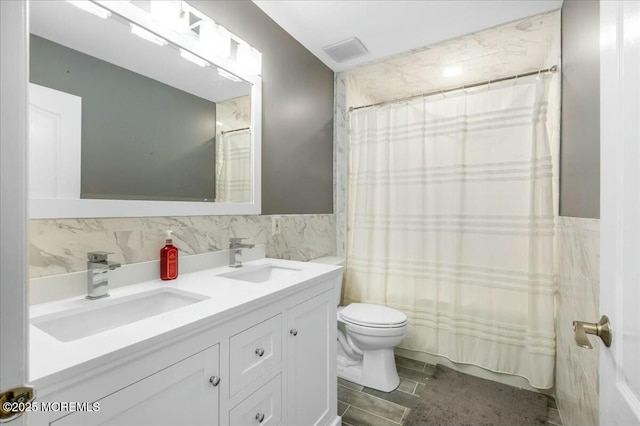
<point x="181" y="394"/>
<point x="301" y="389"/>
<point x="271" y="362"/>
<point x="311" y="357"/>
<point x="308" y="365"/>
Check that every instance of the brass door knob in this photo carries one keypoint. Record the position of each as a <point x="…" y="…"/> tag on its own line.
<point x="601" y="329"/>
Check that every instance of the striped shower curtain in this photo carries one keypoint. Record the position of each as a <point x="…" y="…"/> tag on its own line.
<point x="233" y="167"/>
<point x="451" y="219"/>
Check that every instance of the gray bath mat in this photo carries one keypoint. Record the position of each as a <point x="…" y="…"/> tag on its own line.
<point x="453" y="398"/>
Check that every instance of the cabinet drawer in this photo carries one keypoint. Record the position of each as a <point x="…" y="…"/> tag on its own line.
<point x="263" y="407"/>
<point x="253" y="352"/>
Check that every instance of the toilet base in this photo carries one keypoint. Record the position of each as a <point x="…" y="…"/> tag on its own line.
<point x="376" y="369"/>
<point x="349" y="369"/>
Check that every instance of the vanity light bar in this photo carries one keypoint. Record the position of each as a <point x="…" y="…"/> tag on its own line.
<point x="193" y="58"/>
<point x="147" y="35"/>
<point x="90" y="7"/>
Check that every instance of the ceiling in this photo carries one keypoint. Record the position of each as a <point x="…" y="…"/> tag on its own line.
<point x="388" y="27"/>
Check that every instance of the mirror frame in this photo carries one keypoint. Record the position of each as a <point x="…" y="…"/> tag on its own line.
<point x="48" y="208"/>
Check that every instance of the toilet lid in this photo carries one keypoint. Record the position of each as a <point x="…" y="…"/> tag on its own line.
<point x="373" y="315"/>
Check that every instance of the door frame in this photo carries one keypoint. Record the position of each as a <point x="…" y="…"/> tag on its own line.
<point x="14" y="67"/>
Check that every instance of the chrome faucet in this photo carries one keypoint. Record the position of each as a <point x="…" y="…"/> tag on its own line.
<point x="98" y="268"/>
<point x="235" y="249"/>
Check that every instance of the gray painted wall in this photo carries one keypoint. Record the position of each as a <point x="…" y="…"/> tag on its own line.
<point x="580" y="143"/>
<point x="141" y="139"/>
<point x="297" y="112"/>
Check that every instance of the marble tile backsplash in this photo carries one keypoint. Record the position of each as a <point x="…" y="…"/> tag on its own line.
<point x="58" y="246"/>
<point x="577" y="368"/>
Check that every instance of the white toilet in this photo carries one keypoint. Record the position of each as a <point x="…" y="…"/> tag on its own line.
<point x="367" y="335"/>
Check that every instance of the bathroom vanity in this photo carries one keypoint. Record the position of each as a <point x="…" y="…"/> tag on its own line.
<point x="223" y="346"/>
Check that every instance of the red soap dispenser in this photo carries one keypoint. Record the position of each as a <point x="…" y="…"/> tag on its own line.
<point x="169" y="259"/>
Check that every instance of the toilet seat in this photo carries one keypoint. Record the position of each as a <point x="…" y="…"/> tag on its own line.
<point x="373" y="316"/>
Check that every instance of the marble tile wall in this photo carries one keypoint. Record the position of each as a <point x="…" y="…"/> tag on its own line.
<point x="579" y="275"/>
<point x="340" y="135"/>
<point x="233" y="114"/>
<point x="57" y="246"/>
<point x="520" y="46"/>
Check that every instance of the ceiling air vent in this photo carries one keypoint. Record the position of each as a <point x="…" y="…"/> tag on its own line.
<point x="346" y="49"/>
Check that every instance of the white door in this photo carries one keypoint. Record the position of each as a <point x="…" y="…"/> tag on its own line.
<point x="620" y="210"/>
<point x="13" y="200"/>
<point x="55" y="127"/>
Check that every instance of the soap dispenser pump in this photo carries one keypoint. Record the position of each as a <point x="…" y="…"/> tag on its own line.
<point x="169" y="259"/>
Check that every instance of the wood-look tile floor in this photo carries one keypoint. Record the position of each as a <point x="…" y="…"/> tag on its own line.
<point x="362" y="406"/>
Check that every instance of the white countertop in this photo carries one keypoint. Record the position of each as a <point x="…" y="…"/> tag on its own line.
<point x="52" y="360"/>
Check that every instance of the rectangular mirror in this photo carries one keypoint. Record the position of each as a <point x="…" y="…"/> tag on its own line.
<point x="130" y="117"/>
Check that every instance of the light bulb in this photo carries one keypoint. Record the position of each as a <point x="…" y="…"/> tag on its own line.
<point x="249" y="59"/>
<point x="193" y="58"/>
<point x="148" y="35"/>
<point x="171" y="14"/>
<point x="215" y="39"/>
<point x="452" y="71"/>
<point x="228" y="75"/>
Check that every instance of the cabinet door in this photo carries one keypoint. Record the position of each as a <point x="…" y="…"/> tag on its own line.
<point x="310" y="360"/>
<point x="177" y="395"/>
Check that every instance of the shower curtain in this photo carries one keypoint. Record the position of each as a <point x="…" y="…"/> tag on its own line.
<point x="233" y="167"/>
<point x="451" y="219"/>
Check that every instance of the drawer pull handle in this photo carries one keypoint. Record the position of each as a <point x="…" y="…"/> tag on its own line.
<point x="260" y="417"/>
<point x="214" y="380"/>
<point x="293" y="332"/>
<point x="259" y="351"/>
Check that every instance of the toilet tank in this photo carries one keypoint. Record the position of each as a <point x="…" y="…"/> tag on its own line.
<point x="333" y="260"/>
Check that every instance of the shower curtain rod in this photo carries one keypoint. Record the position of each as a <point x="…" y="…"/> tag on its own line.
<point x="224" y="132"/>
<point x="466" y="86"/>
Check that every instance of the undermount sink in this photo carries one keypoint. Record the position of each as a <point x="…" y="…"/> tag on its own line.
<point x="106" y="314"/>
<point x="260" y="274"/>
